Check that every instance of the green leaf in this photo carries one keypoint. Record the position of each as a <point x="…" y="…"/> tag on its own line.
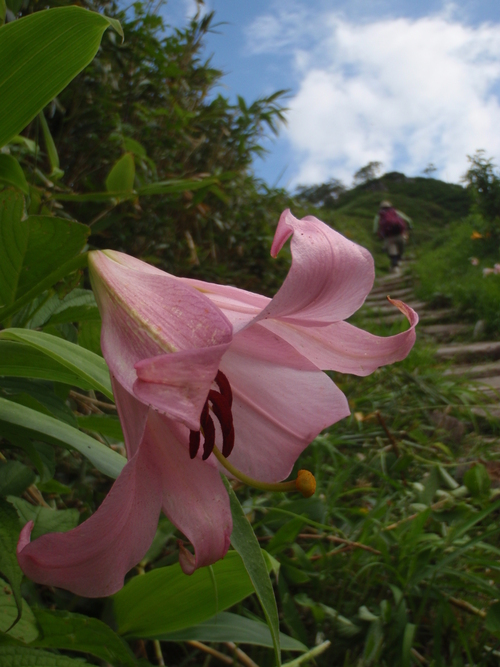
<point x="40" y="54"/>
<point x="477" y="480"/>
<point x="244" y="541"/>
<point x="31" y="247"/>
<point x="175" y="186"/>
<point x="42" y="427"/>
<point x="56" y="172"/>
<point x="104" y="424"/>
<point x="15" y="477"/>
<point x="13" y="236"/>
<point x="19" y="656"/>
<point x="122" y="175"/>
<point x="492" y="621"/>
<point x="11" y="173"/>
<point x="79" y="361"/>
<point x="77" y="306"/>
<point x="25" y="628"/>
<point x="76" y="632"/>
<point x="141" y="610"/>
<point x="9" y="567"/>
<point x="89" y="336"/>
<point x="62" y="271"/>
<point x="21" y="360"/>
<point x="46" y="520"/>
<point x="227" y="627"/>
<point x="408" y="636"/>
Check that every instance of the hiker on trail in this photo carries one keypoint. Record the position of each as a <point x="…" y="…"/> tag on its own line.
<point x="393" y="228"/>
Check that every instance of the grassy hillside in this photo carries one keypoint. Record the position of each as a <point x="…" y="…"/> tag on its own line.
<point x="432" y="204"/>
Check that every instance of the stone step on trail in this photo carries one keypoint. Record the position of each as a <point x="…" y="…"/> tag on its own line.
<point x="473" y="371"/>
<point x="477" y="362"/>
<point x="471" y="352"/>
<point x="444" y="331"/>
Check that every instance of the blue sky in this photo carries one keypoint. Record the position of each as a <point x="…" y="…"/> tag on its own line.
<point x="396" y="81"/>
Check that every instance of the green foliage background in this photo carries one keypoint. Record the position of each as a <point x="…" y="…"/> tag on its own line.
<point x="395" y="560"/>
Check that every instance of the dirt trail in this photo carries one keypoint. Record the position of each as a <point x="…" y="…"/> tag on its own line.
<point x="479" y="361"/>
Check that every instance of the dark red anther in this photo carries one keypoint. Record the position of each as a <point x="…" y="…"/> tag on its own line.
<point x="209" y="433"/>
<point x="194" y="436"/>
<point x="221" y="407"/>
<point x="222" y="410"/>
<point x="194" y="443"/>
<point x="225" y="388"/>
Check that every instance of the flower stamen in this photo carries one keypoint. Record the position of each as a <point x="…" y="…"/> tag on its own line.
<point x="220" y="402"/>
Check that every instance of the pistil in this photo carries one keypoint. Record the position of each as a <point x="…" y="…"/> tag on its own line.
<point x="304" y="484"/>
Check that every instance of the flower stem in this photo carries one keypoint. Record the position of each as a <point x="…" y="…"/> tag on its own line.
<point x="305" y="482"/>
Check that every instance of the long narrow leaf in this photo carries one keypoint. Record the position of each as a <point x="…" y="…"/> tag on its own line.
<point x="244" y="541"/>
<point x="37" y="425"/>
<point x="82" y="362"/>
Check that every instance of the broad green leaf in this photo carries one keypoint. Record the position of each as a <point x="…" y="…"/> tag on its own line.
<point x="244" y="541"/>
<point x="11" y="173"/>
<point x="62" y="271"/>
<point x="3" y="11"/>
<point x="46" y="520"/>
<point x="9" y="567"/>
<point x="50" y="241"/>
<point x="42" y="427"/>
<point x="22" y="360"/>
<point x="105" y="424"/>
<point x="75" y="632"/>
<point x="31" y="247"/>
<point x="15" y="477"/>
<point x="134" y="147"/>
<point x="89" y="336"/>
<point x="77" y="306"/>
<point x="25" y="628"/>
<point x="166" y="600"/>
<point x="87" y="365"/>
<point x="13" y="243"/>
<point x="40" y="54"/>
<point x="19" y="656"/>
<point x="227" y="627"/>
<point x="122" y="175"/>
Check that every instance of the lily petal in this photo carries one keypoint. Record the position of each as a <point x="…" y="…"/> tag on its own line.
<point x="280" y="403"/>
<point x="238" y="305"/>
<point x="133" y="417"/>
<point x="93" y="559"/>
<point x="345" y="348"/>
<point x="177" y="384"/>
<point x="194" y="497"/>
<point x="146" y="314"/>
<point x="329" y="279"/>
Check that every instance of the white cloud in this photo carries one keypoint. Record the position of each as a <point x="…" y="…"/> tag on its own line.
<point x="402" y="91"/>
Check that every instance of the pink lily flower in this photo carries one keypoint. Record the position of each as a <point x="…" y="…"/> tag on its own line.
<point x="187" y="356"/>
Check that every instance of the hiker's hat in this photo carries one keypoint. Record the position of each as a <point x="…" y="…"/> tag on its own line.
<point x="385" y="204"/>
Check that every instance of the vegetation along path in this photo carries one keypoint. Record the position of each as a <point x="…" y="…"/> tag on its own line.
<point x="457" y="341"/>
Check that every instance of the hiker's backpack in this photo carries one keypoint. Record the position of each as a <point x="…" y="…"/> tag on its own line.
<point x="390" y="223"/>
